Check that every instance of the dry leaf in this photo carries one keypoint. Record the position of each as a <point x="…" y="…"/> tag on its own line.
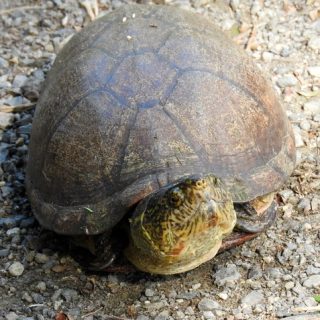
<point x="61" y="316"/>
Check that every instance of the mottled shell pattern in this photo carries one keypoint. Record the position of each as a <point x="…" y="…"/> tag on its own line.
<point x="140" y="98"/>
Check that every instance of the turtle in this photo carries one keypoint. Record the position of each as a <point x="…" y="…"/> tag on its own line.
<point x="153" y="118"/>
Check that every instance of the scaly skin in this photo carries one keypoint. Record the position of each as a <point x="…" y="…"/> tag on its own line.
<point x="181" y="227"/>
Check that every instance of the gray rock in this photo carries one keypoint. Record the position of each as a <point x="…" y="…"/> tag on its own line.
<point x="37" y="298"/>
<point x="4" y="253"/>
<point x="4" y="84"/>
<point x="28" y="222"/>
<point x="142" y="317"/>
<point x="56" y="295"/>
<point x="6" y="191"/>
<point x="25" y="129"/>
<point x="15" y="101"/>
<point x="3" y="63"/>
<point x="41" y="258"/>
<point x="189" y="310"/>
<point x="253" y="298"/>
<point x="287" y="81"/>
<point x="41" y="286"/>
<point x="188" y="295"/>
<point x="255" y="273"/>
<point x="312" y="270"/>
<point x="226" y="275"/>
<point x="149" y="292"/>
<point x="312" y="106"/>
<point x="69" y="295"/>
<point x="299" y="290"/>
<point x="26" y="297"/>
<point x="304" y="205"/>
<point x="4" y="151"/>
<point x="207" y="304"/>
<point x="208" y="315"/>
<point x="286" y="194"/>
<point x="312" y="282"/>
<point x="19" y="80"/>
<point x="11" y="222"/>
<point x="6" y="120"/>
<point x="16" y="269"/>
<point x="11" y="316"/>
<point x="163" y="315"/>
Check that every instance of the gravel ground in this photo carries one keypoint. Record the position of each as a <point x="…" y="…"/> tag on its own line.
<point x="277" y="275"/>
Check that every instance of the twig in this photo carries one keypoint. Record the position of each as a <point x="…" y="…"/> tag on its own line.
<point x="17" y="108"/>
<point x="91" y="313"/>
<point x="36" y="305"/>
<point x="20" y="8"/>
<point x="308" y="309"/>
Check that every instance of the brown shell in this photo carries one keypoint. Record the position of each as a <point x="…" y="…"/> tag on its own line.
<point x="141" y="97"/>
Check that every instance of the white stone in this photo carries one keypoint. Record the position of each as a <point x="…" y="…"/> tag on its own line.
<point x="6" y="120"/>
<point x="13" y="231"/>
<point x="289" y="285"/>
<point x="16" y="269"/>
<point x="287" y="81"/>
<point x="12" y="316"/>
<point x="312" y="282"/>
<point x="297" y="137"/>
<point x="312" y="106"/>
<point x="207" y="304"/>
<point x="314" y="71"/>
<point x="253" y="298"/>
<point x="305" y="125"/>
<point x="314" y="43"/>
<point x="228" y="274"/>
<point x="267" y="56"/>
<point x="208" y="315"/>
<point x="223" y="295"/>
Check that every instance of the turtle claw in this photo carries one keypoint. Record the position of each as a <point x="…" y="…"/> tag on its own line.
<point x="249" y="221"/>
<point x="102" y="264"/>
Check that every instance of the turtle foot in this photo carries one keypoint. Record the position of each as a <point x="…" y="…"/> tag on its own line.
<point x="236" y="239"/>
<point x="251" y="220"/>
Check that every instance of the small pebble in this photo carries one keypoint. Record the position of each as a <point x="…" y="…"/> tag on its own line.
<point x="149" y="293"/>
<point x="227" y="274"/>
<point x="312" y="282"/>
<point x="208" y="315"/>
<point x="312" y="106"/>
<point x="314" y="71"/>
<point x="253" y="298"/>
<point x="289" y="285"/>
<point x="287" y="81"/>
<point x="41" y="258"/>
<point x="16" y="269"/>
<point x="6" y="120"/>
<point x="207" y="304"/>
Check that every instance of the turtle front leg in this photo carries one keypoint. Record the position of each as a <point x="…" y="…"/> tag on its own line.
<point x="105" y="253"/>
<point x="257" y="215"/>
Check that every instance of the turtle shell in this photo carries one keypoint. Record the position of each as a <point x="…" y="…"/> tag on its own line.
<point x="141" y="97"/>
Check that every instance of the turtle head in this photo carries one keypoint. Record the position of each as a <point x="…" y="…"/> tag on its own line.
<point x="181" y="226"/>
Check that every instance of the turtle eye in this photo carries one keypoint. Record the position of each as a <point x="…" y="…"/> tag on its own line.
<point x="176" y="196"/>
<point x="201" y="183"/>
